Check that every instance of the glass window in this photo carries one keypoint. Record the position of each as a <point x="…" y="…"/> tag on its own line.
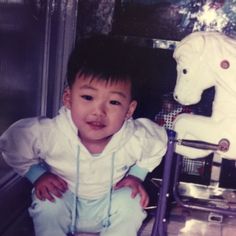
<point x="33" y="37"/>
<point x="21" y="61"/>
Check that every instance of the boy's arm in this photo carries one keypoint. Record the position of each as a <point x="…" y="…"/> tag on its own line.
<point x="138" y="172"/>
<point x="47" y="185"/>
<point x="151" y="141"/>
<point x="135" y="183"/>
<point x="133" y="180"/>
<point x="20" y="145"/>
<point x="149" y="145"/>
<point x="35" y="171"/>
<point x="21" y="148"/>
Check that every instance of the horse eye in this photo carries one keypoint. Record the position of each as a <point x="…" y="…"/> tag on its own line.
<point x="185" y="71"/>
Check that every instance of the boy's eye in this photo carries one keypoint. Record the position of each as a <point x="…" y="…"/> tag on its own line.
<point x="114" y="102"/>
<point x="87" y="97"/>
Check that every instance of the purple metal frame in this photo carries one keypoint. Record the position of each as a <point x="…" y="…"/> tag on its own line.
<point x="195" y="206"/>
<point x="160" y="223"/>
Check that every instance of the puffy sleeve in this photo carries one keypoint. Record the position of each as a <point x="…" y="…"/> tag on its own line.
<point x="20" y="145"/>
<point x="148" y="144"/>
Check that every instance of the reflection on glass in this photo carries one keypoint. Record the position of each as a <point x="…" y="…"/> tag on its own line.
<point x="21" y="47"/>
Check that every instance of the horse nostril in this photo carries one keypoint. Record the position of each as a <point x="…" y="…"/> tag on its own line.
<point x="175" y="97"/>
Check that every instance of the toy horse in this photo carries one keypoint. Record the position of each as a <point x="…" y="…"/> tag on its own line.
<point x="206" y="59"/>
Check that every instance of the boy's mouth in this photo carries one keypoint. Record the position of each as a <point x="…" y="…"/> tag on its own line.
<point x="96" y="125"/>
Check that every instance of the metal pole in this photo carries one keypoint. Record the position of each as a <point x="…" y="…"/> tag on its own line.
<point x="160" y="224"/>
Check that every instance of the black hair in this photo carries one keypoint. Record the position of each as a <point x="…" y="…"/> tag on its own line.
<point x="104" y="58"/>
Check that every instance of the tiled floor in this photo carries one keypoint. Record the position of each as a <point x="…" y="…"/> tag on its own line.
<point x="196" y="223"/>
<point x="184" y="222"/>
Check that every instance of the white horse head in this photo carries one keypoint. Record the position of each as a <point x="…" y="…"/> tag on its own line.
<point x="206" y="59"/>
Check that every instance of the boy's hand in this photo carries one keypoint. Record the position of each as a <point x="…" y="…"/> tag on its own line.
<point x="48" y="185"/>
<point x="137" y="188"/>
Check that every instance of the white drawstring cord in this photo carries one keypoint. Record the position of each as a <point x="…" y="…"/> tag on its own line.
<point x="107" y="222"/>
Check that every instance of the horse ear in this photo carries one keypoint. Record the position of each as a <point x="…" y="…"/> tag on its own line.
<point x="197" y="42"/>
<point x="193" y="43"/>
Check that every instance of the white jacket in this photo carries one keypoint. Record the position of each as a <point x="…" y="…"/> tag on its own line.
<point x="28" y="141"/>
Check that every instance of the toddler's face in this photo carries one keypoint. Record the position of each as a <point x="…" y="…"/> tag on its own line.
<point x="99" y="108"/>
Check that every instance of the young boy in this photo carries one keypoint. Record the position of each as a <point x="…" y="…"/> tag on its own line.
<point x="87" y="164"/>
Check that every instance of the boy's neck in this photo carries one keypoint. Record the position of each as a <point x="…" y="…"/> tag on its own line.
<point x="96" y="147"/>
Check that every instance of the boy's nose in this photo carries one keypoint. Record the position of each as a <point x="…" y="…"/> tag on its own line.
<point x="100" y="109"/>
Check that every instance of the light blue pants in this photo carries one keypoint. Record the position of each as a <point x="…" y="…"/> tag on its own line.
<point x="54" y="218"/>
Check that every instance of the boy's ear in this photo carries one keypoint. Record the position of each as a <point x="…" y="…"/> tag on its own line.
<point x="66" y="98"/>
<point x="132" y="108"/>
